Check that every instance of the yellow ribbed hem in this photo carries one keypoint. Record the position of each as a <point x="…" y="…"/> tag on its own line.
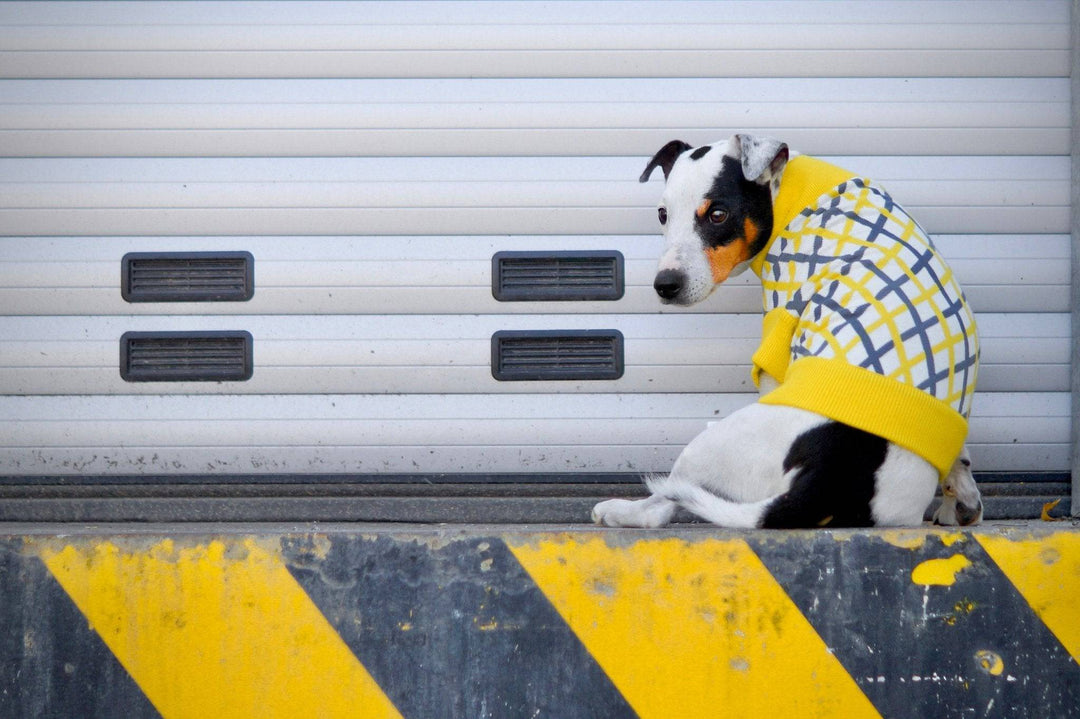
<point x="866" y="400"/>
<point x="805" y="179"/>
<point x="774" y="353"/>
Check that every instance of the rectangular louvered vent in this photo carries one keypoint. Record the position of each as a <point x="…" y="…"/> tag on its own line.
<point x="187" y="276"/>
<point x="557" y="276"/>
<point x="557" y="355"/>
<point x="186" y="356"/>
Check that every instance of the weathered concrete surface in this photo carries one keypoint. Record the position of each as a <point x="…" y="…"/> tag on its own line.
<point x="542" y="621"/>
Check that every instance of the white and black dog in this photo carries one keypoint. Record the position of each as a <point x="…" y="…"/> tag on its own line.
<point x="868" y="358"/>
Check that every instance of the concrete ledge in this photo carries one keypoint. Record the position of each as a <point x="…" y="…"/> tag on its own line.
<point x="506" y="498"/>
<point x="538" y="621"/>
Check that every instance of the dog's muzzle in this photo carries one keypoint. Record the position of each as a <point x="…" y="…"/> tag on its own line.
<point x="669" y="283"/>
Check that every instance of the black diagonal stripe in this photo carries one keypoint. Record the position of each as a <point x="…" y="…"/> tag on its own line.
<point x="457" y="630"/>
<point x="926" y="651"/>
<point x="51" y="663"/>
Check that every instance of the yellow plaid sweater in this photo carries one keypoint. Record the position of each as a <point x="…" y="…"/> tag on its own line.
<point x="864" y="322"/>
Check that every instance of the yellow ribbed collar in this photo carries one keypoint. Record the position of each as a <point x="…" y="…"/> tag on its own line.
<point x="805" y="179"/>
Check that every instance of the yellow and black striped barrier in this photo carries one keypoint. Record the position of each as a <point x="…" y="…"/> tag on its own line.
<point x="436" y="623"/>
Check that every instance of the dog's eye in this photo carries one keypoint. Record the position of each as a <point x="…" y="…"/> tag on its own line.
<point x="965" y="462"/>
<point x="718" y="217"/>
<point x="662" y="214"/>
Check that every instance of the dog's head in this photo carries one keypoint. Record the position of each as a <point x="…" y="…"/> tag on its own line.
<point x="716" y="211"/>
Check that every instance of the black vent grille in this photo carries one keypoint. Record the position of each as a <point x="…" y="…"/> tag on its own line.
<point x="557" y="355"/>
<point x="187" y="276"/>
<point x="186" y="356"/>
<point x="557" y="276"/>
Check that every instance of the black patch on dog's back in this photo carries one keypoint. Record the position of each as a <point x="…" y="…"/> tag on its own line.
<point x="835" y="482"/>
<point x="700" y="152"/>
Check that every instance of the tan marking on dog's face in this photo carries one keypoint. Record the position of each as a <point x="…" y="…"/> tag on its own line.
<point x="750" y="231"/>
<point x="703" y="208"/>
<point x="722" y="260"/>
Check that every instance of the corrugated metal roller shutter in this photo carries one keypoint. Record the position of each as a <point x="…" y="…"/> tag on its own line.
<point x="373" y="158"/>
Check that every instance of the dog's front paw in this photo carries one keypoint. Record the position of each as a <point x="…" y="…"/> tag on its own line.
<point x="612" y="512"/>
<point x="648" y="513"/>
<point x="945" y="514"/>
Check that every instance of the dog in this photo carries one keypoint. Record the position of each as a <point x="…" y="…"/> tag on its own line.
<point x="869" y="351"/>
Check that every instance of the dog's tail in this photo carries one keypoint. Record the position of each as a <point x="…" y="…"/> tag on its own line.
<point x="708" y="506"/>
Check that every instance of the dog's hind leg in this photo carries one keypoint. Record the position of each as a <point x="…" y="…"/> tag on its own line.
<point x="711" y="507"/>
<point x="648" y="513"/>
<point x="802" y="506"/>
<point x="829" y="472"/>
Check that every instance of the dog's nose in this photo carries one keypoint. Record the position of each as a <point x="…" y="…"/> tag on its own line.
<point x="669" y="283"/>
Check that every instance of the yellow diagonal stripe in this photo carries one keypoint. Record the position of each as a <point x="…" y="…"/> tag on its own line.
<point x="697" y="629"/>
<point x="215" y="630"/>
<point x="1046" y="571"/>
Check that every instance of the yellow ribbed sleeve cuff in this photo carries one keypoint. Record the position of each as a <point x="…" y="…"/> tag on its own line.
<point x="866" y="400"/>
<point x="774" y="353"/>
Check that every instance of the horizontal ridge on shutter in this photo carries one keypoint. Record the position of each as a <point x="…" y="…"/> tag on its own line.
<point x="557" y="276"/>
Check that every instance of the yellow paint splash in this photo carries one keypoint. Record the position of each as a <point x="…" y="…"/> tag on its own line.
<point x="916" y="538"/>
<point x="940" y="572"/>
<point x="990" y="662"/>
<point x="904" y="538"/>
<point x="951" y="538"/>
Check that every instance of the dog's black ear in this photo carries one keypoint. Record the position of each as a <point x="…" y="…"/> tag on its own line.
<point x="762" y="158"/>
<point x="664" y="159"/>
